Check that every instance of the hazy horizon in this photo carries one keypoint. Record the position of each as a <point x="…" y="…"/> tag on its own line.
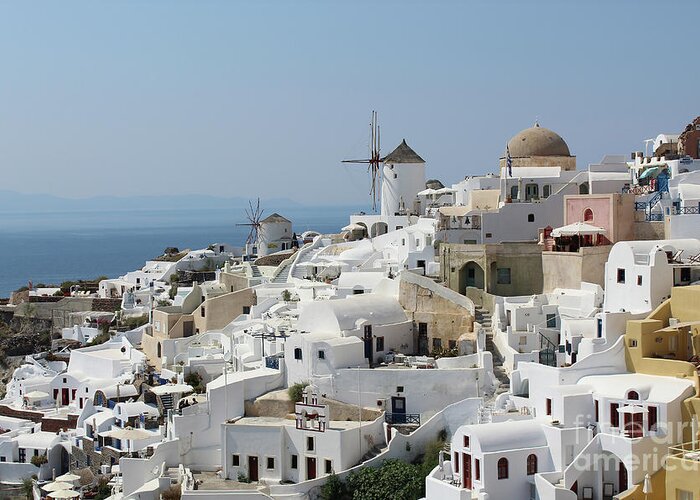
<point x="247" y="99"/>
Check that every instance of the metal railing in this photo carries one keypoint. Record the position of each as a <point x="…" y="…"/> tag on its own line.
<point x="637" y="189"/>
<point x="686" y="211"/>
<point x="402" y="418"/>
<point x="654" y="217"/>
<point x="685" y="451"/>
<point x="272" y="362"/>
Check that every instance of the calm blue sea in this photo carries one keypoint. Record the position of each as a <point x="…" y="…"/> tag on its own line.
<point x="58" y="246"/>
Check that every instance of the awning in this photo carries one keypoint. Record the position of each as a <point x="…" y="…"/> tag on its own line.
<point x="455" y="211"/>
<point x="577" y="228"/>
<point x="354" y="227"/>
<point x="427" y="192"/>
<point x="128" y="433"/>
<point x="632" y="409"/>
<point x="36" y="395"/>
<point x="161" y="390"/>
<point x="652" y="172"/>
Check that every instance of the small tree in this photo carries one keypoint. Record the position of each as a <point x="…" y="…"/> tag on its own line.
<point x="28" y="487"/>
<point x="286" y="295"/>
<point x="39" y="460"/>
<point x="172" y="493"/>
<point x="334" y="489"/>
<point x="195" y="380"/>
<point x="296" y="391"/>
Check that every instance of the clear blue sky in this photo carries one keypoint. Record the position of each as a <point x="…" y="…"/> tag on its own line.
<point x="265" y="98"/>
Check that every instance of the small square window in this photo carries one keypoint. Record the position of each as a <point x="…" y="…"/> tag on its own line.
<point x="321" y="354"/>
<point x="503" y="275"/>
<point x="295" y="462"/>
<point x="297" y="353"/>
<point x="236" y="460"/>
<point x="452" y="344"/>
<point x="246" y="309"/>
<point x="380" y="344"/>
<point x="399" y="388"/>
<point x="309" y="444"/>
<point x="466" y="441"/>
<point x="620" y="275"/>
<point x="270" y="462"/>
<point x="639" y="280"/>
<point x="488" y="235"/>
<point x="328" y="466"/>
<point x="531" y="217"/>
<point x="437" y="343"/>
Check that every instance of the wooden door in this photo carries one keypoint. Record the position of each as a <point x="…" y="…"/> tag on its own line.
<point x="467" y="471"/>
<point x="310" y="468"/>
<point x="252" y="468"/>
<point x="65" y="396"/>
<point x="623" y="478"/>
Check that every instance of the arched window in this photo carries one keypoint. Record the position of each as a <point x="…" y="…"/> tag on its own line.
<point x="531" y="464"/>
<point x="588" y="215"/>
<point x="583" y="188"/>
<point x="633" y="395"/>
<point x="503" y="468"/>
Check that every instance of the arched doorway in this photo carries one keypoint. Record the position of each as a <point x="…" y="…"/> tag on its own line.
<point x="365" y="232"/>
<point x="379" y="228"/>
<point x="471" y="275"/>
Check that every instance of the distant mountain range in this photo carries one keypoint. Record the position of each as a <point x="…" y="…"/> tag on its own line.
<point x="11" y="201"/>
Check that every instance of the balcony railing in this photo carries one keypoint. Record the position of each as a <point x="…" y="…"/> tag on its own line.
<point x="686" y="211"/>
<point x="402" y="418"/>
<point x="272" y="362"/>
<point x="686" y="451"/>
<point x="637" y="189"/>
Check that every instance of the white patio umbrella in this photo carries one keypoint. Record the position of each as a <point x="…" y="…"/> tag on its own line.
<point x="307" y="264"/>
<point x="353" y="227"/>
<point x="128" y="433"/>
<point x="427" y="192"/>
<point x="68" y="477"/>
<point x="646" y="489"/>
<point x="56" y="485"/>
<point x="577" y="228"/>
<point x="60" y="494"/>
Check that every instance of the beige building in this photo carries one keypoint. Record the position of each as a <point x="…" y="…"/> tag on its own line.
<point x="442" y="318"/>
<point x="505" y="269"/>
<point x="197" y="314"/>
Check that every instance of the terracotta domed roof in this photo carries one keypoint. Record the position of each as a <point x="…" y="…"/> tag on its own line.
<point x="537" y="141"/>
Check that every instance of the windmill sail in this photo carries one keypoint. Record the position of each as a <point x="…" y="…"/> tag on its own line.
<point x="374" y="160"/>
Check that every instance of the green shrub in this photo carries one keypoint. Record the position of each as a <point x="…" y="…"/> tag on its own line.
<point x="296" y="391"/>
<point x="172" y="493"/>
<point x="98" y="339"/>
<point x="135" y="321"/>
<point x="195" y="380"/>
<point x="242" y="478"/>
<point x="334" y="489"/>
<point x="39" y="460"/>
